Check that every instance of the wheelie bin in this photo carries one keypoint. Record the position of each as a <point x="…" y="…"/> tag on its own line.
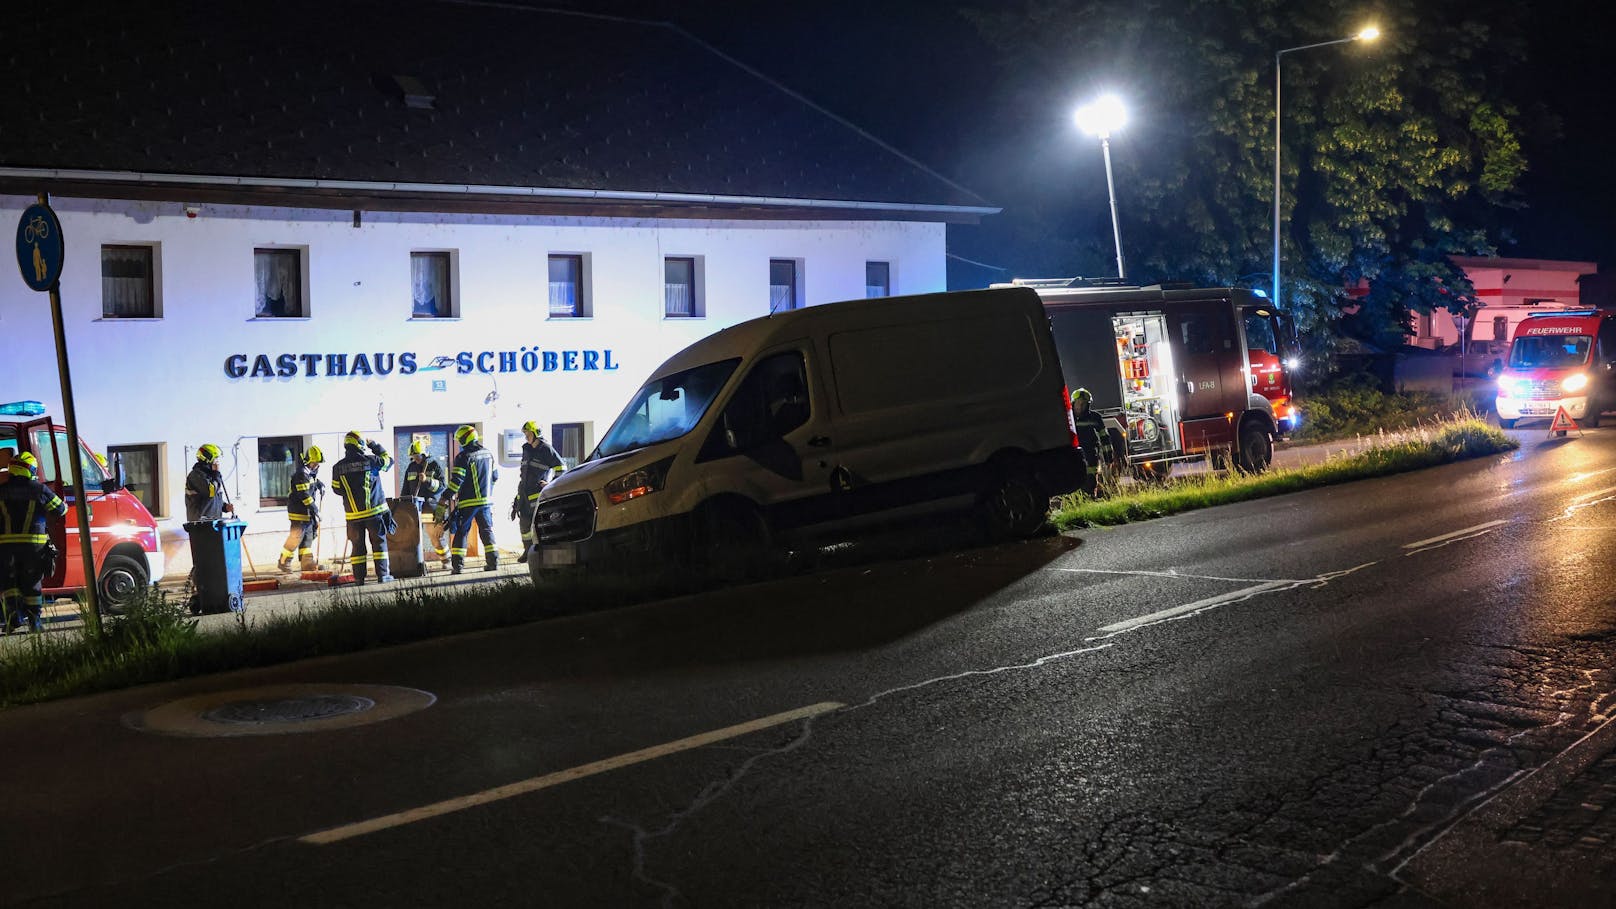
<point x="216" y="565"/>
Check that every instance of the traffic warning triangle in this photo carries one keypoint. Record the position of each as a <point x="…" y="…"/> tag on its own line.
<point x="1563" y="422"/>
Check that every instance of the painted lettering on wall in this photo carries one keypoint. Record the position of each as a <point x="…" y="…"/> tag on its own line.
<point x="382" y="363"/>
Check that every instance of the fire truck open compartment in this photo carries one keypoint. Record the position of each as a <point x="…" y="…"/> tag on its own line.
<point x="1145" y="367"/>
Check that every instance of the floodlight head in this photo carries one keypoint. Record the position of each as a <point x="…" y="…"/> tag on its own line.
<point x="1102" y="116"/>
<point x="1368" y="34"/>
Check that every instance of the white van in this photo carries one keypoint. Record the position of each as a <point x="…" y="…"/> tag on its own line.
<point x="823" y="420"/>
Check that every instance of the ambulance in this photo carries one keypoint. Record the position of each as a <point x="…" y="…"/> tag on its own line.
<point x="1560" y="359"/>
<point x="123" y="536"/>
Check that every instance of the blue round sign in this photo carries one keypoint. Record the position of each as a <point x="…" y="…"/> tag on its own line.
<point x="40" y="247"/>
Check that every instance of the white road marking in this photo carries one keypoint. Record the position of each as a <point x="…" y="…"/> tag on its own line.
<point x="1244" y="593"/>
<point x="523" y="787"/>
<point x="1448" y="537"/>
<point x="1169" y="574"/>
<point x="1600" y="492"/>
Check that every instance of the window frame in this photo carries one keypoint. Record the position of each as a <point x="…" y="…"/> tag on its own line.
<point x="581" y="308"/>
<point x="154" y="501"/>
<point x="796" y="284"/>
<point x="886" y="286"/>
<point x="153" y="281"/>
<point x="301" y="257"/>
<point x="451" y="268"/>
<point x="698" y="306"/>
<point x="558" y="437"/>
<point x="299" y="445"/>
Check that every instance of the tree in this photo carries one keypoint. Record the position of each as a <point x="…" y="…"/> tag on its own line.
<point x="1396" y="154"/>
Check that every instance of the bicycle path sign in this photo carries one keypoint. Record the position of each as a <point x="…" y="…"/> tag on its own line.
<point x="39" y="247"/>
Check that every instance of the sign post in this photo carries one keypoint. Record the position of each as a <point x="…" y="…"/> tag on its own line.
<point x="40" y="251"/>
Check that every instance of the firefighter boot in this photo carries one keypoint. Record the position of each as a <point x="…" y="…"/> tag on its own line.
<point x="284" y="564"/>
<point x="382" y="574"/>
<point x="493" y="560"/>
<point x="456" y="563"/>
<point x="522" y="559"/>
<point x="359" y="572"/>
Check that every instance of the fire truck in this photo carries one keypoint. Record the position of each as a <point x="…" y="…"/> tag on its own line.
<point x="1178" y="373"/>
<point x="123" y="536"/>
<point x="1560" y="359"/>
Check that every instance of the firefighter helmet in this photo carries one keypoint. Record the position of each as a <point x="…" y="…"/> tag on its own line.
<point x="466" y="435"/>
<point x="417" y="447"/>
<point x="29" y="463"/>
<point x="209" y="452"/>
<point x="1084" y="395"/>
<point x="533" y="427"/>
<point x="354" y="438"/>
<point x="314" y="455"/>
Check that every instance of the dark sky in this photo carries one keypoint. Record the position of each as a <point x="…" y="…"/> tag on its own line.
<point x="915" y="73"/>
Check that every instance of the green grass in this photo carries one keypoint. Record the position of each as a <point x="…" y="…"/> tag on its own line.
<point x="157" y="640"/>
<point x="1357" y="408"/>
<point x="1456" y="440"/>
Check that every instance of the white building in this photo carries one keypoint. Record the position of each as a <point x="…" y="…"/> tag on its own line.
<point x="1507" y="291"/>
<point x="374" y="255"/>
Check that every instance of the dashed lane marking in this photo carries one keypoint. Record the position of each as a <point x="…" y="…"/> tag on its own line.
<point x="1171" y="574"/>
<point x="512" y="790"/>
<point x="1455" y="535"/>
<point x="1244" y="593"/>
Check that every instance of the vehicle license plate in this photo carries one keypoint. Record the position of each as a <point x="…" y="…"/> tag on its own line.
<point x="562" y="554"/>
<point x="1537" y="410"/>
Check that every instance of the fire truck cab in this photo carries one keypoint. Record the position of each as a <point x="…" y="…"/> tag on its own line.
<point x="123" y="535"/>
<point x="1178" y="373"/>
<point x="1560" y="359"/>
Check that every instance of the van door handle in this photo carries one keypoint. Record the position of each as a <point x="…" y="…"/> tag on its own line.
<point x="819" y="441"/>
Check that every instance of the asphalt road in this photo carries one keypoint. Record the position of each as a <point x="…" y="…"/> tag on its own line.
<point x="1297" y="701"/>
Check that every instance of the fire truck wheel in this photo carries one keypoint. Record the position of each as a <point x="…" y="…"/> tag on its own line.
<point x="1505" y="423"/>
<point x="1015" y="508"/>
<point x="123" y="580"/>
<point x="1256" y="448"/>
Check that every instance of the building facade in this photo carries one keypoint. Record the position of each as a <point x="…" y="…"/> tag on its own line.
<point x="401" y="255"/>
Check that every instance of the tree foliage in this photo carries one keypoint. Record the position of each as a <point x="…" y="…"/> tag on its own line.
<point x="1396" y="154"/>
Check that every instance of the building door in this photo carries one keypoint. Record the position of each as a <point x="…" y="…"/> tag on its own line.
<point x="440" y="447"/>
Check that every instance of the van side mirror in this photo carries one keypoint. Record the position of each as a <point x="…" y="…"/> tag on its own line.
<point x="729" y="439"/>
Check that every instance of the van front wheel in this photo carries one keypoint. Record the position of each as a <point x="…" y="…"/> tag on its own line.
<point x="1014" y="508"/>
<point x="731" y="541"/>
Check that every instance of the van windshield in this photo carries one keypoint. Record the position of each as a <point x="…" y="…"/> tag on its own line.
<point x="1550" y="351"/>
<point x="665" y="408"/>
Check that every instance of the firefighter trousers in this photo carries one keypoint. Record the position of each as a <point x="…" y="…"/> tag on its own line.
<point x="300" y="545"/>
<point x="372" y="529"/>
<point x="460" y="526"/>
<point x="22" y="580"/>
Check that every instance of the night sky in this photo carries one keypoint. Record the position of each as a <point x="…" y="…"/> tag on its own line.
<point x="915" y="74"/>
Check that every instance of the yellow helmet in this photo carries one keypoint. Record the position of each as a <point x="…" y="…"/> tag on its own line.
<point x="209" y="452"/>
<point x="354" y="438"/>
<point x="417" y="447"/>
<point x="531" y="426"/>
<point x="314" y="455"/>
<point x="466" y="435"/>
<point x="29" y="463"/>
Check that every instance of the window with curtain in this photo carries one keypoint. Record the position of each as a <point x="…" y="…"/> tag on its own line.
<point x="277" y="458"/>
<point x="567" y="286"/>
<point x="278" y="278"/>
<point x="140" y="472"/>
<point x="679" y="288"/>
<point x="782" y="285"/>
<point x="877" y="279"/>
<point x="569" y="442"/>
<point x="127" y="291"/>
<point x="429" y="285"/>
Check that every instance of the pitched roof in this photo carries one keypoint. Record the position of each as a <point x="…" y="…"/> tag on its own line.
<point x="504" y="97"/>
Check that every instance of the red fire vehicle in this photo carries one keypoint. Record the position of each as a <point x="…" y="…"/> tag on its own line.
<point x="123" y="535"/>
<point x="1560" y="359"/>
<point x="1179" y="373"/>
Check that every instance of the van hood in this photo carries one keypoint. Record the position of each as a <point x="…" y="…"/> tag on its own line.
<point x="592" y="476"/>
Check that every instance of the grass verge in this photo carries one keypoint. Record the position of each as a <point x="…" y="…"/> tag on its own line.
<point x="1453" y="441"/>
<point x="156" y="640"/>
<point x="1357" y="408"/>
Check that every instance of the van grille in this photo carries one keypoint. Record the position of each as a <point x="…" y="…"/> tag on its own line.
<point x="1543" y="389"/>
<point x="565" y="519"/>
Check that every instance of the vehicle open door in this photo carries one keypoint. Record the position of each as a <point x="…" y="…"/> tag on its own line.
<point x="1211" y="373"/>
<point x="42" y="442"/>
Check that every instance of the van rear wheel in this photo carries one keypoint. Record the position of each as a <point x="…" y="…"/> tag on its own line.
<point x="1015" y="508"/>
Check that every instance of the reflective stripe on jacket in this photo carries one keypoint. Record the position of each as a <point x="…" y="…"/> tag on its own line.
<point x="423" y="480"/>
<point x="25" y="504"/>
<point x="300" y="505"/>
<point x="473" y="476"/>
<point x="204" y="494"/>
<point x="538" y="459"/>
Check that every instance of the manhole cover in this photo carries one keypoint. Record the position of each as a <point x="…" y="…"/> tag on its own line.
<point x="280" y="709"/>
<point x="287" y="710"/>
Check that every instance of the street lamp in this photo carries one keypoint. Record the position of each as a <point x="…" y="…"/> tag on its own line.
<point x="1101" y="117"/>
<point x="1368" y="34"/>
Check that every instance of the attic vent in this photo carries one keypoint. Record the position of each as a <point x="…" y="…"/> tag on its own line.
<point x="415" y="94"/>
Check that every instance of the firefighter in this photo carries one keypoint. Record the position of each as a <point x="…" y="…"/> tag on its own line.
<point x="357" y="479"/>
<point x="303" y="508"/>
<point x="423" y="481"/>
<point x="204" y="487"/>
<point x="539" y="458"/>
<point x="470" y="483"/>
<point x="1091" y="434"/>
<point x="26" y="554"/>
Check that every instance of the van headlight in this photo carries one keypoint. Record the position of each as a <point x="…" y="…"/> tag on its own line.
<point x="636" y="483"/>
<point x="1575" y="382"/>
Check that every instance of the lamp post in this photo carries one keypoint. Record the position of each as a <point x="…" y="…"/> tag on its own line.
<point x="1101" y="117"/>
<point x="1368" y="34"/>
